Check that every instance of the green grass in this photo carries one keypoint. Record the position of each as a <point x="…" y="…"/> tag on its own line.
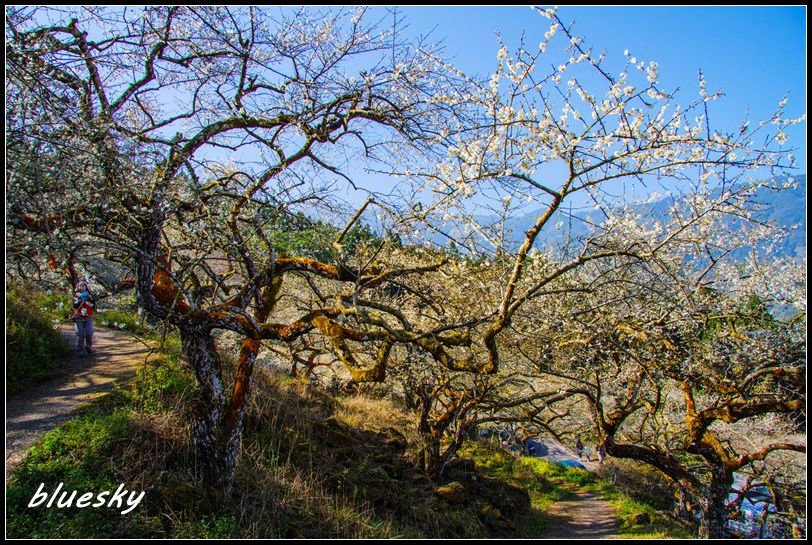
<point x="78" y="455"/>
<point x="532" y="474"/>
<point x="122" y="320"/>
<point x="34" y="347"/>
<point x="291" y="484"/>
<point x="549" y="483"/>
<point x="622" y="503"/>
<point x="625" y="505"/>
<point x="55" y="306"/>
<point x="112" y="441"/>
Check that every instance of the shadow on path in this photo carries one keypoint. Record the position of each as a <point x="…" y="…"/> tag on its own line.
<point x="31" y="413"/>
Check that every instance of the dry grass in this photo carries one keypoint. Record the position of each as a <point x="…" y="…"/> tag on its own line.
<point x="368" y="413"/>
<point x="311" y="466"/>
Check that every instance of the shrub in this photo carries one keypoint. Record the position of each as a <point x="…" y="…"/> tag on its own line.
<point x="121" y="319"/>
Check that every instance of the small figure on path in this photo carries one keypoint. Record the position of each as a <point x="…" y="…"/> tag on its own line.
<point x="586" y="454"/>
<point x="83" y="305"/>
<point x="601" y="454"/>
<point x="579" y="448"/>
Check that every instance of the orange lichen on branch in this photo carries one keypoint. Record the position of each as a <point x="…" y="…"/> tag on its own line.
<point x="288" y="332"/>
<point x="226" y="318"/>
<point x="450" y="406"/>
<point x="334" y="330"/>
<point x="735" y="411"/>
<point x="307" y="264"/>
<point x="42" y="224"/>
<point x="242" y="380"/>
<point x="167" y="293"/>
<point x="285" y="332"/>
<point x="123" y="284"/>
<point x="49" y="223"/>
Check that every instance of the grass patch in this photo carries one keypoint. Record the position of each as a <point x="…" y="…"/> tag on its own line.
<point x="532" y="474"/>
<point x="311" y="466"/>
<point x="549" y="483"/>
<point x="625" y="505"/>
<point x="623" y="502"/>
<point x="335" y="461"/>
<point x="365" y="412"/>
<point x="34" y="347"/>
<point x="77" y="454"/>
<point x="123" y="320"/>
<point x="55" y="306"/>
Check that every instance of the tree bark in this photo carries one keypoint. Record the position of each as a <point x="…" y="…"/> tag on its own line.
<point x="429" y="457"/>
<point x="432" y="429"/>
<point x="714" y="505"/>
<point x="216" y="455"/>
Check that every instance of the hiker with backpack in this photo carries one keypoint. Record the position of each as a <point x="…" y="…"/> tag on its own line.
<point x="83" y="306"/>
<point x="579" y="448"/>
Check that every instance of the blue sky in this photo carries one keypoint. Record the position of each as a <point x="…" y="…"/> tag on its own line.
<point x="754" y="54"/>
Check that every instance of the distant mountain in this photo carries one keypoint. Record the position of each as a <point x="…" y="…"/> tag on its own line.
<point x="786" y="209"/>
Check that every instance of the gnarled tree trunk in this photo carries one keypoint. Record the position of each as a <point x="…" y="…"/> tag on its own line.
<point x="453" y="422"/>
<point x="209" y="408"/>
<point x="714" y="505"/>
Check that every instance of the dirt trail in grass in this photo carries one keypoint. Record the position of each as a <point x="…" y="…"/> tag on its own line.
<point x="581" y="516"/>
<point x="40" y="408"/>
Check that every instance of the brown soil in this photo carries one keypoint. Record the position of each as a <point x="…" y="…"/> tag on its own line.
<point x="582" y="516"/>
<point x="35" y="411"/>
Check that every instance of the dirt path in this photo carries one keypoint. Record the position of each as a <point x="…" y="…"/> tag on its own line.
<point x="583" y="516"/>
<point x="33" y="412"/>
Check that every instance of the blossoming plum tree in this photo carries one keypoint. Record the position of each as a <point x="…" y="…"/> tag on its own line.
<point x="678" y="362"/>
<point x="555" y="125"/>
<point x="116" y="119"/>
